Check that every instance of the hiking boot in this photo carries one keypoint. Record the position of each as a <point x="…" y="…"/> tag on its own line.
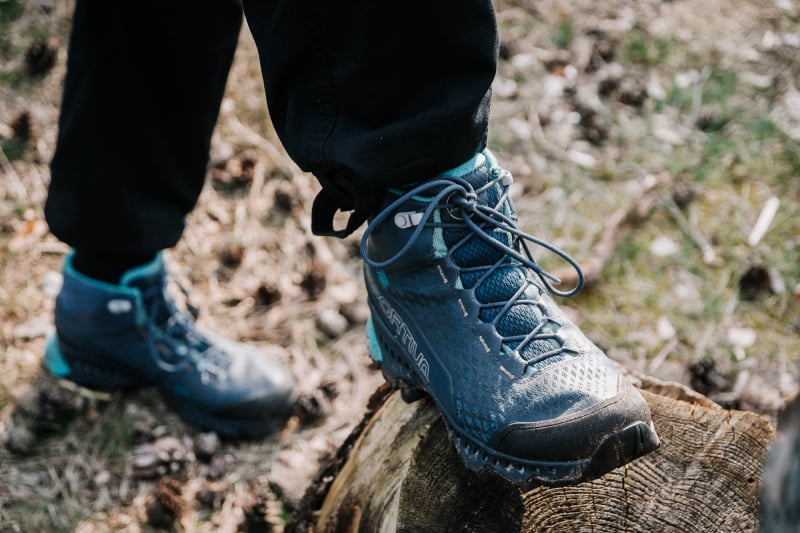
<point x="131" y="335"/>
<point x="462" y="312"/>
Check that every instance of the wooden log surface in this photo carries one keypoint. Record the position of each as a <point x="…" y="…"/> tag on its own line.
<point x="399" y="472"/>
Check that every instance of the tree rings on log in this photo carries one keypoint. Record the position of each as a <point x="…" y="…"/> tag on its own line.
<point x="403" y="474"/>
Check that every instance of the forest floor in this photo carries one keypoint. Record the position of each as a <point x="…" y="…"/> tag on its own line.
<point x="667" y="131"/>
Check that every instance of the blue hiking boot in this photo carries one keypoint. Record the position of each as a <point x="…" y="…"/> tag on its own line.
<point x="131" y="335"/>
<point x="461" y="311"/>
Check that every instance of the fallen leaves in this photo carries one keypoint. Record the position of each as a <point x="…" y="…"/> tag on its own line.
<point x="233" y="176"/>
<point x="26" y="234"/>
<point x="41" y="55"/>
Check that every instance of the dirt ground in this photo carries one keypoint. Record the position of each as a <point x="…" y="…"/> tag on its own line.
<point x="665" y="131"/>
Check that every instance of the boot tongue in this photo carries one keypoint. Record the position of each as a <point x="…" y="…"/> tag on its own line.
<point x="476" y="252"/>
<point x="495" y="279"/>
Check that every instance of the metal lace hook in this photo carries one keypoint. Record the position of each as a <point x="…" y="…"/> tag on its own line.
<point x="448" y="187"/>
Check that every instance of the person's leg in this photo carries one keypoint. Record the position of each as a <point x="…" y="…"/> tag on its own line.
<point x="142" y="93"/>
<point x="368" y="95"/>
<point x="379" y="100"/>
<point x="141" y="97"/>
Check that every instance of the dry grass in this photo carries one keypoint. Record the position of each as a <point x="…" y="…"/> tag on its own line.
<point x="717" y="118"/>
<point x="702" y="99"/>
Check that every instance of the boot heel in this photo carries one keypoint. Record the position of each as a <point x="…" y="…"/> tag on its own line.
<point x="64" y="365"/>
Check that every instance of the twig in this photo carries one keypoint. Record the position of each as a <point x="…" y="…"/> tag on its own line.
<point x="697" y="97"/>
<point x="602" y="251"/>
<point x="661" y="356"/>
<point x="709" y="255"/>
<point x="552" y="150"/>
<point x="537" y="132"/>
<point x="764" y="221"/>
<point x="705" y="340"/>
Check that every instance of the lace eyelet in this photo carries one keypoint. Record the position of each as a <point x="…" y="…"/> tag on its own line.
<point x="469" y="203"/>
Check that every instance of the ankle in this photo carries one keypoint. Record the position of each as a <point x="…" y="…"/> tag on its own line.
<point x="107" y="266"/>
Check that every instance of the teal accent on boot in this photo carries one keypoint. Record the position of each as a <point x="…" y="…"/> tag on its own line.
<point x="53" y="359"/>
<point x="382" y="279"/>
<point x="476" y="161"/>
<point x="374" y="345"/>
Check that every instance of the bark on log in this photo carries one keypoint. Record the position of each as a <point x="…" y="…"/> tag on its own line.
<point x="400" y="472"/>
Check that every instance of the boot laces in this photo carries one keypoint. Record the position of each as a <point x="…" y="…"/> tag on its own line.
<point x="179" y="345"/>
<point x="476" y="219"/>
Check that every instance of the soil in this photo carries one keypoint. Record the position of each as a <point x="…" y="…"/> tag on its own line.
<point x="693" y="101"/>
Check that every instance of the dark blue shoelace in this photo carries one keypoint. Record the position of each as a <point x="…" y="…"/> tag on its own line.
<point x="177" y="341"/>
<point x="505" y="247"/>
<point x="457" y="194"/>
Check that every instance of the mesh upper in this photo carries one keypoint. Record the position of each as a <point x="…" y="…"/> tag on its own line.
<point x="501" y="284"/>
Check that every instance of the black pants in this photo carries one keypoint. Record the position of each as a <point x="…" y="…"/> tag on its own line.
<point x="365" y="94"/>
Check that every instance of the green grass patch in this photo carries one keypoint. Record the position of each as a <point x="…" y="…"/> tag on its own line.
<point x="792" y="263"/>
<point x="708" y="168"/>
<point x="643" y="49"/>
<point x="115" y="434"/>
<point x="14" y="148"/>
<point x="36" y="515"/>
<point x="11" y="10"/>
<point x="790" y="156"/>
<point x="11" y="78"/>
<point x="678" y="97"/>
<point x="719" y="87"/>
<point x="563" y="34"/>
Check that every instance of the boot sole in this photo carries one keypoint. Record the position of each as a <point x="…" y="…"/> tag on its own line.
<point x="66" y="363"/>
<point x="617" y="449"/>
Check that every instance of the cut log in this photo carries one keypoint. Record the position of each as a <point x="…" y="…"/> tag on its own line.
<point x="399" y="472"/>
